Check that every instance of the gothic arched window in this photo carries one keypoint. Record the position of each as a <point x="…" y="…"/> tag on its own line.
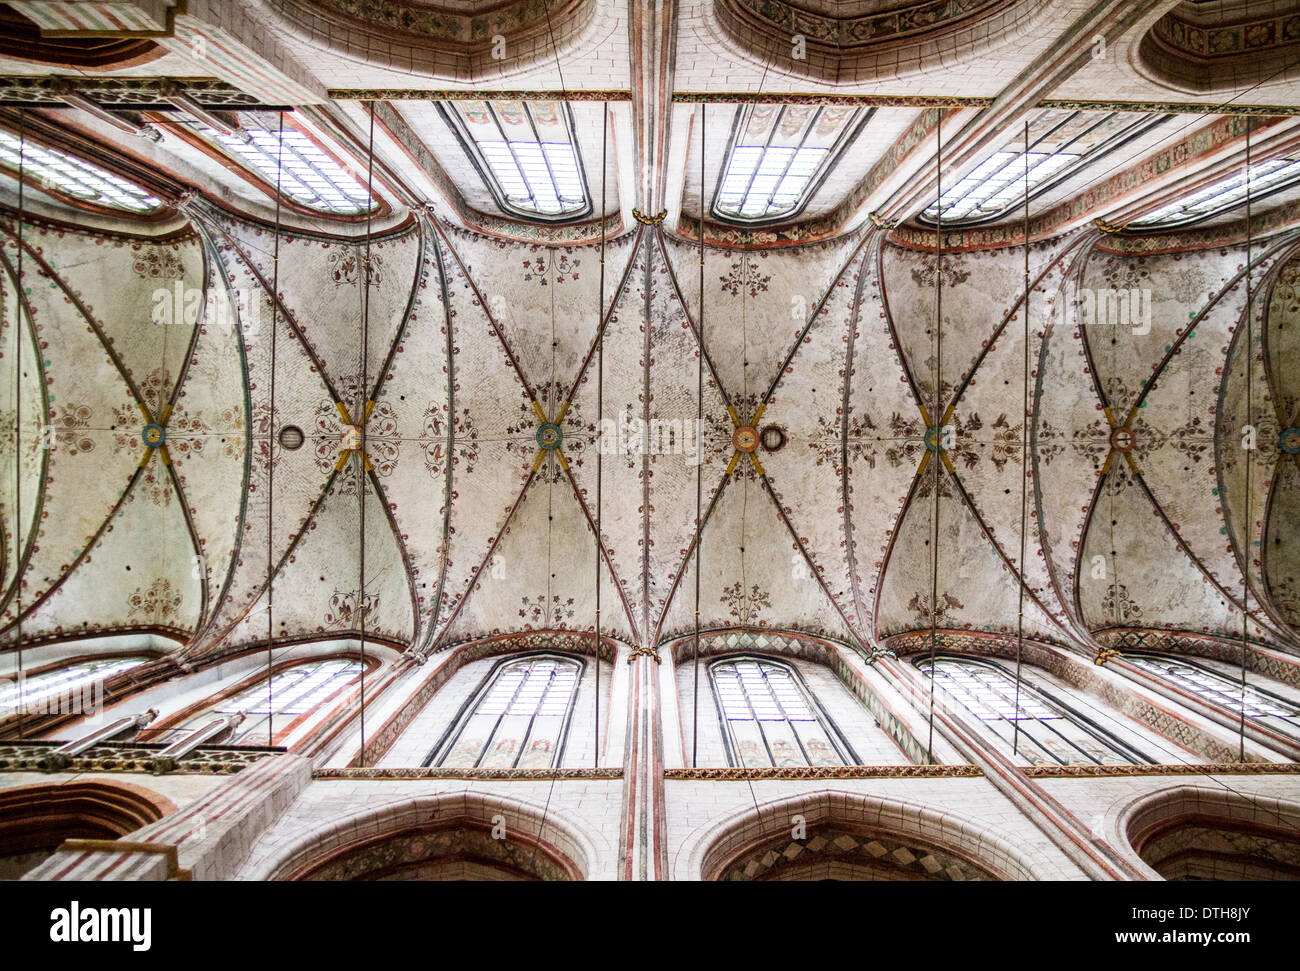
<point x="307" y="173"/>
<point x="1042" y="728"/>
<point x="778" y="156"/>
<point x="1061" y="143"/>
<point x="70" y="689"/>
<point x="1225" y="195"/>
<point x="74" y="178"/>
<point x="770" y="719"/>
<point x="518" y="718"/>
<point x="1222" y="691"/>
<point x="526" y="153"/>
<point x="294" y="692"/>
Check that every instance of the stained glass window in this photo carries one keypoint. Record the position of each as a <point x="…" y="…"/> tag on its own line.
<point x="295" y="691"/>
<point x="1042" y="729"/>
<point x="769" y="718"/>
<point x="526" y="153"/>
<point x="65" y="689"/>
<point x="1223" y="691"/>
<point x="1060" y="144"/>
<point x="310" y="177"/>
<point x="1225" y="195"/>
<point x="518" y="719"/>
<point x="777" y="157"/>
<point x="74" y="177"/>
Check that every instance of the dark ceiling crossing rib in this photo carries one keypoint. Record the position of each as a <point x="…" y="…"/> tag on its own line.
<point x="1069" y="604"/>
<point x="444" y="546"/>
<point x="214" y="265"/>
<point x="23" y="555"/>
<point x="846" y="489"/>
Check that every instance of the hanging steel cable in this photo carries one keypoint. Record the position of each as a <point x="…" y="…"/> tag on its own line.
<point x="600" y="404"/>
<point x="934" y="434"/>
<point x="271" y="438"/>
<point x="699" y="466"/>
<point x="363" y="461"/>
<point x="1024" y="469"/>
<point x="18" y="422"/>
<point x="1245" y="567"/>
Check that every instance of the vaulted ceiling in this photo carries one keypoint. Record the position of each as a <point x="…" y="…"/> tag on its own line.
<point x="426" y="349"/>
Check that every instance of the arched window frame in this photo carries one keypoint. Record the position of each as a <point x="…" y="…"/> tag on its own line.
<point x="1012" y="156"/>
<point x="1226" y="694"/>
<point x="849" y="131"/>
<point x="490" y="175"/>
<point x="1265" y="179"/>
<point x="839" y="744"/>
<point x="57" y="681"/>
<point x="48" y="168"/>
<point x="447" y="743"/>
<point x="1034" y="702"/>
<point x="308" y="165"/>
<point x="254" y="689"/>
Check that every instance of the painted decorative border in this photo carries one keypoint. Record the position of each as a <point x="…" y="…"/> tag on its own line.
<point x="757" y="774"/>
<point x="30" y="757"/>
<point x="473" y="94"/>
<point x="1209" y="768"/>
<point x="121" y="92"/>
<point x="615" y="772"/>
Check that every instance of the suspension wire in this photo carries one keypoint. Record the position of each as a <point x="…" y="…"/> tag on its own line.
<point x="936" y="441"/>
<point x="364" y="419"/>
<point x="18" y="421"/>
<point x="1024" y="470"/>
<point x="271" y="438"/>
<point x="699" y="485"/>
<point x="564" y="95"/>
<point x="1245" y="571"/>
<point x="600" y="401"/>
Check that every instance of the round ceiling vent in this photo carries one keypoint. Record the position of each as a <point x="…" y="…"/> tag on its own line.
<point x="291" y="437"/>
<point x="772" y="438"/>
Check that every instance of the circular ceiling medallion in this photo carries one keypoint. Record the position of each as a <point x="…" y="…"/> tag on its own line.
<point x="934" y="438"/>
<point x="772" y="438"/>
<point x="1122" y="439"/>
<point x="291" y="437"/>
<point x="549" y="436"/>
<point x="1291" y="441"/>
<point x="745" y="439"/>
<point x="154" y="435"/>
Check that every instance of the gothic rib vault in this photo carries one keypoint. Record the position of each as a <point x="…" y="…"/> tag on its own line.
<point x="464" y="538"/>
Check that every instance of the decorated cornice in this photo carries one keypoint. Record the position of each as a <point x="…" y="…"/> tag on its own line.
<point x="476" y="94"/>
<point x="124" y="92"/>
<point x="470" y="775"/>
<point x="1140" y="771"/>
<point x="824" y="772"/>
<point x="139" y="757"/>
